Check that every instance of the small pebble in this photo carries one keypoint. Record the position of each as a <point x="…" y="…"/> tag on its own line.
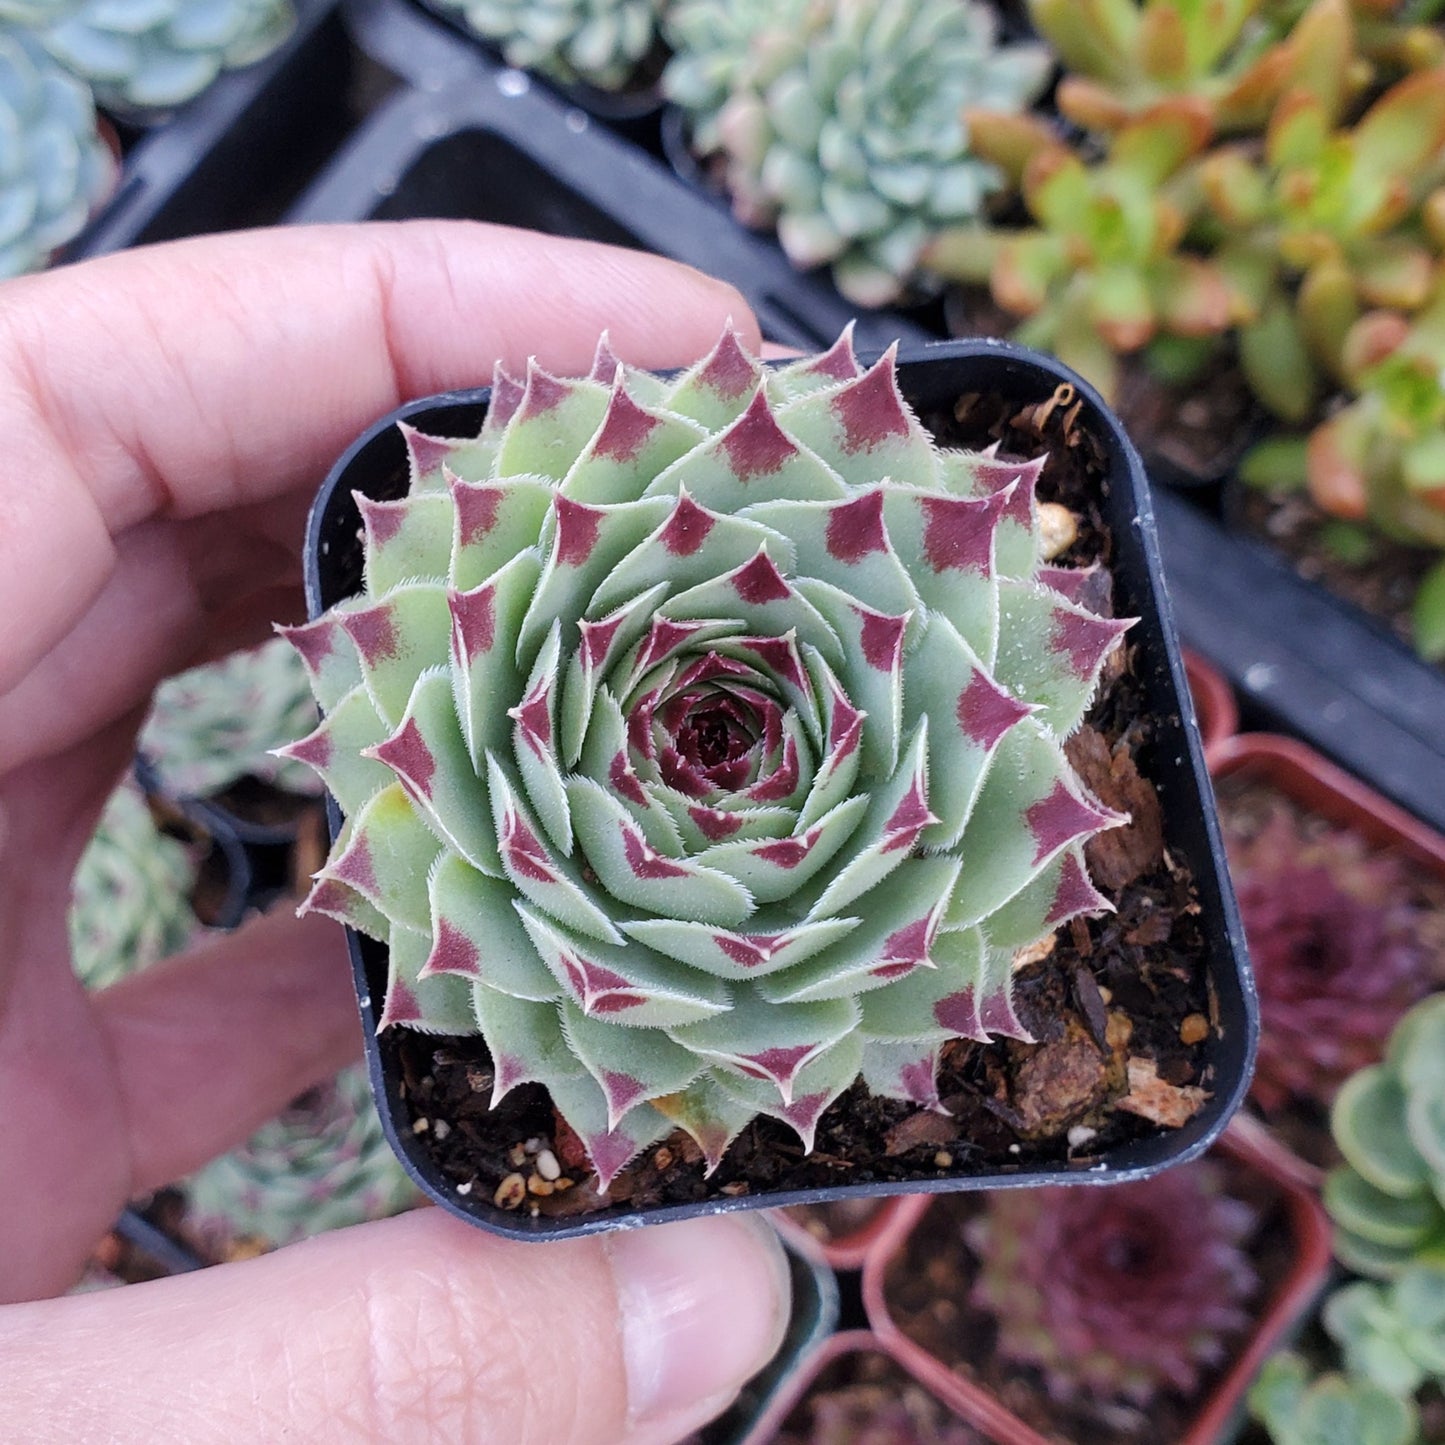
<point x="1080" y="1135"/>
<point x="1015" y="1149"/>
<point x="465" y="1187"/>
<point x="662" y="1159"/>
<point x="1058" y="529"/>
<point x="534" y="1146"/>
<point x="537" y="1185"/>
<point x="563" y="1183"/>
<point x="516" y="1156"/>
<point x="441" y="1129"/>
<point x="943" y="1160"/>
<point x="420" y="1126"/>
<point x="738" y="1186"/>
<point x="548" y="1167"/>
<point x="1194" y="1029"/>
<point x="510" y="1192"/>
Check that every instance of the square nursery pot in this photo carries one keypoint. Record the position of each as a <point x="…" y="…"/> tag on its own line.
<point x="843" y="1362"/>
<point x="839" y="1233"/>
<point x="1224" y="1017"/>
<point x="462" y="136"/>
<point x="239" y="153"/>
<point x="1289" y="1243"/>
<point x="1318" y="788"/>
<point x="1214" y="704"/>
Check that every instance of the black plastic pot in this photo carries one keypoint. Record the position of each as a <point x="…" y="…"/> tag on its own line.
<point x="467" y="138"/>
<point x="238" y="153"/>
<point x="931" y="379"/>
<point x="1307" y="662"/>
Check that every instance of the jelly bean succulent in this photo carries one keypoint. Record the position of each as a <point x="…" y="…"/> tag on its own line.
<point x="1299" y="1409"/>
<point x="1117" y="1294"/>
<point x="1101" y="272"/>
<point x="322" y="1164"/>
<point x="1388" y="1199"/>
<point x="601" y="42"/>
<point x="54" y="167"/>
<point x="140" y="55"/>
<point x="1333" y="937"/>
<point x="130" y="898"/>
<point x="845" y="129"/>
<point x="218" y="723"/>
<point x="699" y="742"/>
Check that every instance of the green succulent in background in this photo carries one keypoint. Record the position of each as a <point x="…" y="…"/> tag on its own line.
<point x="1122" y="58"/>
<point x="601" y="42"/>
<point x="1388" y="1199"/>
<point x="220" y="722"/>
<point x="54" y="167"/>
<point x="1330" y="1409"/>
<point x="140" y="55"/>
<point x="667" y="789"/>
<point x="1325" y="223"/>
<point x="322" y="1164"/>
<point x="1101" y="272"/>
<point x="1393" y="36"/>
<point x="130" y="898"/>
<point x="714" y="43"/>
<point x="1393" y="1335"/>
<point x="845" y="130"/>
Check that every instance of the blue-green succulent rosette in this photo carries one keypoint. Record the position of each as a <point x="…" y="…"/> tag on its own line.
<point x="699" y="743"/>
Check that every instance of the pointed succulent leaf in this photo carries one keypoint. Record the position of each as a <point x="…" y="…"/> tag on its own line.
<point x="406" y="540"/>
<point x="432" y="1003"/>
<point x="492" y="523"/>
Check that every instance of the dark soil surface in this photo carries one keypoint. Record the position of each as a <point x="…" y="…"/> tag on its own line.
<point x="928" y="1290"/>
<point x="866" y="1397"/>
<point x="835" y="1222"/>
<point x="1118" y="1004"/>
<point x="1384" y="586"/>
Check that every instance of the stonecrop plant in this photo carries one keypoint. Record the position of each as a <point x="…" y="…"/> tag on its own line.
<point x="699" y="743"/>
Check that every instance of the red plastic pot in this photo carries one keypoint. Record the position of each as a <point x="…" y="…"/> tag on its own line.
<point x="1215" y="709"/>
<point x="1305" y="1277"/>
<point x="846" y="1251"/>
<point x="812" y="1366"/>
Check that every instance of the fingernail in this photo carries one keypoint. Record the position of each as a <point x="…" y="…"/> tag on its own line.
<point x="704" y="1305"/>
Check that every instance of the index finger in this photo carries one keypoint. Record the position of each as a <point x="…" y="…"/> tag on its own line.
<point x="206" y="374"/>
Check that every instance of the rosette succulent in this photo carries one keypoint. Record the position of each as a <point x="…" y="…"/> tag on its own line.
<point x="322" y="1164"/>
<point x="893" y="1410"/>
<point x="1337" y="955"/>
<point x="220" y="722"/>
<point x="152" y="54"/>
<point x="601" y="42"/>
<point x="1388" y="1199"/>
<point x="1297" y="1409"/>
<point x="845" y="129"/>
<point x="130" y="898"/>
<point x="54" y="167"/>
<point x="699" y="742"/>
<point x="1116" y="1294"/>
<point x="1393" y="1334"/>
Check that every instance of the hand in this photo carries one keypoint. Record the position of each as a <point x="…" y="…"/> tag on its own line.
<point x="167" y="415"/>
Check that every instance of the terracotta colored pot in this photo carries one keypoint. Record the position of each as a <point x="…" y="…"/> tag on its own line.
<point x="845" y="1251"/>
<point x="834" y="1348"/>
<point x="1215" y="709"/>
<point x="1302" y="1282"/>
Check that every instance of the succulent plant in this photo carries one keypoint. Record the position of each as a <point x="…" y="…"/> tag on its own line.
<point x="1324" y="224"/>
<point x="322" y="1164"/>
<point x="844" y="128"/>
<point x="54" y="167"/>
<point x="1101" y="272"/>
<point x="601" y="42"/>
<point x="1116" y="1294"/>
<point x="1337" y="957"/>
<point x="667" y="789"/>
<point x="1393" y="1335"/>
<point x="1330" y="1409"/>
<point x="219" y="722"/>
<point x="1123" y="57"/>
<point x="713" y="44"/>
<point x="130" y="898"/>
<point x="882" y="1413"/>
<point x="139" y="55"/>
<point x="1388" y="1199"/>
<point x="1392" y="36"/>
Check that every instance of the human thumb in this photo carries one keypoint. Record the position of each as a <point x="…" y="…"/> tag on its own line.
<point x="418" y="1328"/>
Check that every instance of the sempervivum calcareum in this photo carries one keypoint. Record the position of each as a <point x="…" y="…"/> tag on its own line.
<point x="1116" y="1294"/>
<point x="1333" y="936"/>
<point x="699" y="742"/>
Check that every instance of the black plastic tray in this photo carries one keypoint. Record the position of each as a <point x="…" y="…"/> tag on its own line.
<point x="931" y="378"/>
<point x="466" y="138"/>
<point x="238" y="153"/>
<point x="1308" y="662"/>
